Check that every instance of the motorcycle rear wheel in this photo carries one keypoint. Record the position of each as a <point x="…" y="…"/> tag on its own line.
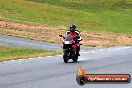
<point x="75" y="58"/>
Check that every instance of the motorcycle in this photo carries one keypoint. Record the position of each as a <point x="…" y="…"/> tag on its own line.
<point x="70" y="48"/>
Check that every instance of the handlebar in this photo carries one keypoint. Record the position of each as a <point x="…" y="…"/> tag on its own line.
<point x="62" y="36"/>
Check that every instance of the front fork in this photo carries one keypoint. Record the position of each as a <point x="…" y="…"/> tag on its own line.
<point x="66" y="50"/>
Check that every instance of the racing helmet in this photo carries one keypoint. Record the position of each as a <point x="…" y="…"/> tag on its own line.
<point x="72" y="28"/>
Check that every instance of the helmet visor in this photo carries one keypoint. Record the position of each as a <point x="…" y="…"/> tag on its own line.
<point x="72" y="29"/>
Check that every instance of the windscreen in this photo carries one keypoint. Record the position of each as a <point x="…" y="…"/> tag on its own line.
<point x="68" y="37"/>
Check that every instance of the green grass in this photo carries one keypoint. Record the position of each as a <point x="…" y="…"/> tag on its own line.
<point x="91" y="15"/>
<point x="11" y="53"/>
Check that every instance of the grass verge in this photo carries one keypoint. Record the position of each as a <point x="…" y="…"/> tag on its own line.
<point x="89" y="15"/>
<point x="11" y="53"/>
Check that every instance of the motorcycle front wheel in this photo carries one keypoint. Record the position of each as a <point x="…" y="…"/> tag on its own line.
<point x="65" y="56"/>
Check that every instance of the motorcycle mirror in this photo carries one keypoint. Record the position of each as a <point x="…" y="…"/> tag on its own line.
<point x="60" y="35"/>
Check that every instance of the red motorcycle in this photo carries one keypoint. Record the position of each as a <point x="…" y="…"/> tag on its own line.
<point x="70" y="48"/>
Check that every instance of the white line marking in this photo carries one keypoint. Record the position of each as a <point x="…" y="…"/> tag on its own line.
<point x="13" y="60"/>
<point x="49" y="56"/>
<point x="108" y="49"/>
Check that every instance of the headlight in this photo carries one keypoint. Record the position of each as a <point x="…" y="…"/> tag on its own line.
<point x="67" y="42"/>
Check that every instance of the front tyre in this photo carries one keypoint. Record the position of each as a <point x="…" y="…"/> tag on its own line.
<point x="65" y="56"/>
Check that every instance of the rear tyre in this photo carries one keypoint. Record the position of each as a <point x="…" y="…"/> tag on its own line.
<point x="75" y="58"/>
<point x="65" y="56"/>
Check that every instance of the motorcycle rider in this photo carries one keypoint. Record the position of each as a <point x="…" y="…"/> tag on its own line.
<point x="74" y="32"/>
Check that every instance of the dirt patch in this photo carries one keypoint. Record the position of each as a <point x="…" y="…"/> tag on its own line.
<point x="50" y="34"/>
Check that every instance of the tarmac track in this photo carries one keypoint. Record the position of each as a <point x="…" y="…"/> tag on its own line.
<point x="52" y="72"/>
